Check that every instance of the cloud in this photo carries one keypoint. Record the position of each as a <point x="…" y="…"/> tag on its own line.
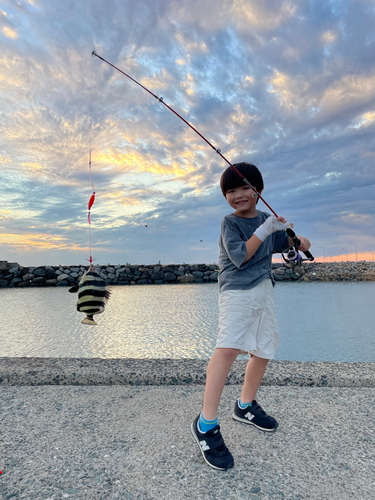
<point x="358" y="219"/>
<point x="37" y="242"/>
<point x="329" y="36"/>
<point x="287" y="85"/>
<point x="252" y="14"/>
<point x="9" y="32"/>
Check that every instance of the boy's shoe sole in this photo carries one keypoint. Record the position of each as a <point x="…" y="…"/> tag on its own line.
<point x="212" y="447"/>
<point x="256" y="416"/>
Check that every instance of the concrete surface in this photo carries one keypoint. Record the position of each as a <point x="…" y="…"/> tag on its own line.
<point x="95" y="371"/>
<point x="134" y="442"/>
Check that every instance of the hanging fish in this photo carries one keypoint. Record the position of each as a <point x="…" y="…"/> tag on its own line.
<point x="93" y="295"/>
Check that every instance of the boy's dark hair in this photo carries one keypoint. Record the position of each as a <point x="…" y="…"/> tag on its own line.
<point x="230" y="180"/>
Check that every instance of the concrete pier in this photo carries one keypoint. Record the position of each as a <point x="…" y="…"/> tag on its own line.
<point x="108" y="429"/>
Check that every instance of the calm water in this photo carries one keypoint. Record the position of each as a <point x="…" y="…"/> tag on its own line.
<point x="318" y="322"/>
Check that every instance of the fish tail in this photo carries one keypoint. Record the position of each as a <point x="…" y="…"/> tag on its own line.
<point x="88" y="321"/>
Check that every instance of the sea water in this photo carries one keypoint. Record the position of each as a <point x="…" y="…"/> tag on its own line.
<point x="318" y="321"/>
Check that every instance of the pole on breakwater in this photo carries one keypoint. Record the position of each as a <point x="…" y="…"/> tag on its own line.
<point x="324" y="258"/>
<point x="356" y="252"/>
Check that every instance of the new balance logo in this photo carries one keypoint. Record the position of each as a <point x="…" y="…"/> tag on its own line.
<point x="204" y="445"/>
<point x="249" y="416"/>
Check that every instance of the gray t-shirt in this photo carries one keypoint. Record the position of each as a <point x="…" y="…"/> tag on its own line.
<point x="235" y="231"/>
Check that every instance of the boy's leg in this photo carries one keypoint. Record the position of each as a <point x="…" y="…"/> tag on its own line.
<point x="217" y="372"/>
<point x="211" y="443"/>
<point x="255" y="370"/>
<point x="250" y="412"/>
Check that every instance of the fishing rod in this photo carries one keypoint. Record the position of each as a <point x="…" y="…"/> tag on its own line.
<point x="218" y="151"/>
<point x="296" y="258"/>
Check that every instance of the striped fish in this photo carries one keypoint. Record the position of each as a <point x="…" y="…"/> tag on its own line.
<point x="93" y="295"/>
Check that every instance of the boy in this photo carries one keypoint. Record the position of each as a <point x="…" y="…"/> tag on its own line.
<point x="247" y="318"/>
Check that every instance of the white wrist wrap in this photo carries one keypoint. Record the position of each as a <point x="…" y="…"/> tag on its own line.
<point x="270" y="226"/>
<point x="261" y="233"/>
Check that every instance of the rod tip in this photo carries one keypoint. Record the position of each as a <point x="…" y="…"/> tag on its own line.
<point x="93" y="53"/>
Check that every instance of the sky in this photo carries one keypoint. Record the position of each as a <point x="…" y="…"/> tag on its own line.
<point x="286" y="85"/>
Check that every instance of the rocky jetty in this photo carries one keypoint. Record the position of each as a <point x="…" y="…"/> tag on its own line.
<point x="16" y="276"/>
<point x="21" y="277"/>
<point x="338" y="271"/>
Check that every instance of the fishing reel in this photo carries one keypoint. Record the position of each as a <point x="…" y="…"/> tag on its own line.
<point x="291" y="256"/>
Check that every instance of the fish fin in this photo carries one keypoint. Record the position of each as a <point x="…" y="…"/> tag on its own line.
<point x="88" y="321"/>
<point x="107" y="295"/>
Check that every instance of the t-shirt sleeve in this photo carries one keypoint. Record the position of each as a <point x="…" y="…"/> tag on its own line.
<point x="280" y="242"/>
<point x="233" y="244"/>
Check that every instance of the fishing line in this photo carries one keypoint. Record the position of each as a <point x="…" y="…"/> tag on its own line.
<point x="92" y="198"/>
<point x="218" y="151"/>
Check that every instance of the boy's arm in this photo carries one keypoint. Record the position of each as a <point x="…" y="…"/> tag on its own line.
<point x="271" y="225"/>
<point x="252" y="246"/>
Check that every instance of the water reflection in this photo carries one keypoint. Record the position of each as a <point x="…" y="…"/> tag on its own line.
<point x="318" y="322"/>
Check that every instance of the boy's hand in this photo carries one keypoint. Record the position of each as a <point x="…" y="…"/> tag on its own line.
<point x="271" y="225"/>
<point x="304" y="245"/>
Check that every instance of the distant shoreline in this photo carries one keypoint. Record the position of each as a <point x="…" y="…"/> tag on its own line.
<point x="12" y="275"/>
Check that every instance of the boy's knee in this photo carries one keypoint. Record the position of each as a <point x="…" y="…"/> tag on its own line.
<point x="258" y="360"/>
<point x="228" y="353"/>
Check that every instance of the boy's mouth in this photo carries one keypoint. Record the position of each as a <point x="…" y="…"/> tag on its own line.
<point x="241" y="202"/>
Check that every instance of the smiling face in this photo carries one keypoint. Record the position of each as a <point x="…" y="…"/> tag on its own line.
<point x="242" y="200"/>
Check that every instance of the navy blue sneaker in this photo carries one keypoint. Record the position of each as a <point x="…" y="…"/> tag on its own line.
<point x="255" y="415"/>
<point x="212" y="446"/>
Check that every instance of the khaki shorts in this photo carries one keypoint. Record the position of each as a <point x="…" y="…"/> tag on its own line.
<point x="247" y="320"/>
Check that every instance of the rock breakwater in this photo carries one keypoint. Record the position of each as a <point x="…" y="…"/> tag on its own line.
<point x="22" y="277"/>
<point x="339" y="271"/>
<point x="42" y="276"/>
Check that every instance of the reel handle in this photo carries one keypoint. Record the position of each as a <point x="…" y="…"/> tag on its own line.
<point x="308" y="255"/>
<point x="297" y="242"/>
